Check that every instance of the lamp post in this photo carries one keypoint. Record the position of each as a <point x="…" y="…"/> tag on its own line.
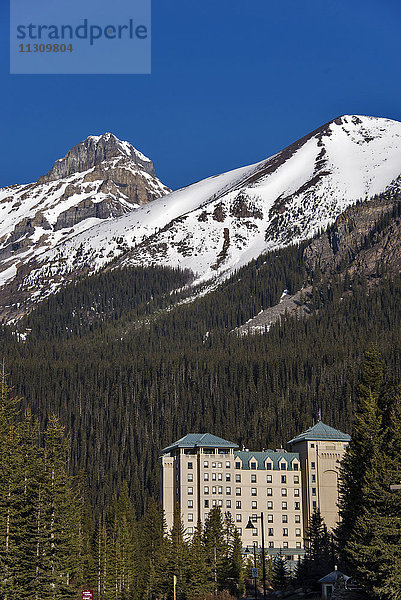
<point x="251" y="525"/>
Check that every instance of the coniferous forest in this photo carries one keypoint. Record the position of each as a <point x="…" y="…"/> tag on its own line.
<point x="117" y="366"/>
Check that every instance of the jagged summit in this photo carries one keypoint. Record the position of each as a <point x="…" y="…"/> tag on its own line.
<point x="96" y="150"/>
<point x="212" y="227"/>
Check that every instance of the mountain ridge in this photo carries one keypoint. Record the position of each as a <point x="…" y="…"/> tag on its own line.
<point x="219" y="224"/>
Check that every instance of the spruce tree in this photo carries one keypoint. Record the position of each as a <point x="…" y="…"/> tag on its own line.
<point x="366" y="439"/>
<point x="198" y="569"/>
<point x="280" y="572"/>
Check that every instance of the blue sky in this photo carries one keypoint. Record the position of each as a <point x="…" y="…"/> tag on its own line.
<point x="231" y="83"/>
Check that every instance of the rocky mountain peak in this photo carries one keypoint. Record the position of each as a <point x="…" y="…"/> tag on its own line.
<point x="92" y="152"/>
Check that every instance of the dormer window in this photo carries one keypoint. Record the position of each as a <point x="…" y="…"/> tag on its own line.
<point x="253" y="465"/>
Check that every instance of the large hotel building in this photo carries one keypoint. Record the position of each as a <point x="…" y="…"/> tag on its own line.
<point x="201" y="471"/>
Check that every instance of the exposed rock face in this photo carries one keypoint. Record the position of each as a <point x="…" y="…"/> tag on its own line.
<point x="99" y="179"/>
<point x="94" y="151"/>
<point x="365" y="239"/>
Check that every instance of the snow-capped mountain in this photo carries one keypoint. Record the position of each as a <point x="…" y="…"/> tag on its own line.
<point x="219" y="224"/>
<point x="99" y="178"/>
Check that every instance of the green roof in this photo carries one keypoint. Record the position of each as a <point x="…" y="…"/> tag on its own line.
<point x="321" y="432"/>
<point x="200" y="440"/>
<point x="245" y="456"/>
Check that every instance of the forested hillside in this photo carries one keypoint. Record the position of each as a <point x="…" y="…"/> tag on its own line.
<point x="129" y="364"/>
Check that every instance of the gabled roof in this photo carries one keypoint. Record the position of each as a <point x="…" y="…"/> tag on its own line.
<point x="332" y="577"/>
<point x="321" y="431"/>
<point x="261" y="457"/>
<point x="200" y="440"/>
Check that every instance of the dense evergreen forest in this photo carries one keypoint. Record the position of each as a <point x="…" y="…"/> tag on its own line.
<point x="126" y="387"/>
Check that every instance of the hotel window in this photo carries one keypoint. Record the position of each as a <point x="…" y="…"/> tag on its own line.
<point x="206" y="503"/>
<point x="254" y="518"/>
<point x="284" y="518"/>
<point x="228" y="490"/>
<point x="285" y="532"/>
<point x="254" y="505"/>
<point x="220" y="503"/>
<point x="269" y="505"/>
<point x="283" y="466"/>
<point x="228" y="503"/>
<point x="271" y="544"/>
<point x="190" y="491"/>
<point x="214" y="476"/>
<point x="239" y="529"/>
<point x="220" y="489"/>
<point x="190" y="530"/>
<point x="312" y="465"/>
<point x="190" y="504"/>
<point x="297" y="544"/>
<point x="214" y="503"/>
<point x="228" y="477"/>
<point x="219" y="465"/>
<point x="313" y="491"/>
<point x="214" y="489"/>
<point x="254" y="492"/>
<point x="297" y="518"/>
<point x="270" y="491"/>
<point x="296" y="492"/>
<point x="205" y="464"/>
<point x="284" y="506"/>
<point x="296" y="478"/>
<point x="238" y="518"/>
<point x="190" y="517"/>
<point x="270" y="531"/>
<point x="253" y="465"/>
<point x="238" y="504"/>
<point x="238" y="491"/>
<point x="190" y="477"/>
<point x="228" y="464"/>
<point x="253" y="478"/>
<point x="270" y="518"/>
<point x="313" y="478"/>
<point x="285" y="544"/>
<point x="268" y="466"/>
<point x="205" y="489"/>
<point x="314" y="505"/>
<point x="254" y="531"/>
<point x="190" y="465"/>
<point x="238" y="478"/>
<point x="298" y="532"/>
<point x="312" y="445"/>
<point x="219" y="477"/>
<point x="237" y="465"/>
<point x="283" y="491"/>
<point x="206" y="476"/>
<point x="268" y="478"/>
<point x="297" y="505"/>
<point x="284" y="479"/>
<point x="213" y="465"/>
<point x="295" y="466"/>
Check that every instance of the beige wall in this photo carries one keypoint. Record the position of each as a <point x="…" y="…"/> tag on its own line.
<point x="194" y="479"/>
<point x="320" y="463"/>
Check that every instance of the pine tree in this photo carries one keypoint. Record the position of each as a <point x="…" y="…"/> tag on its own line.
<point x="178" y="555"/>
<point x="280" y="572"/>
<point x="198" y="575"/>
<point x="153" y="546"/>
<point x="318" y="560"/>
<point x="374" y="549"/>
<point x="366" y="440"/>
<point x="216" y="546"/>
